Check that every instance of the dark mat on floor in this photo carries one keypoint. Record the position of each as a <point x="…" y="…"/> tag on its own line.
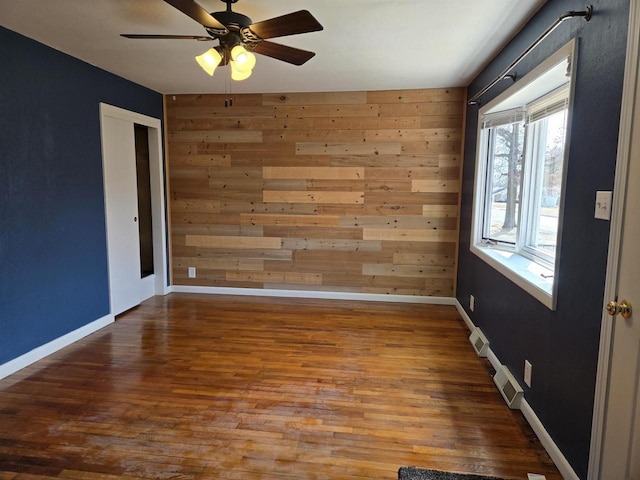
<point x="413" y="473"/>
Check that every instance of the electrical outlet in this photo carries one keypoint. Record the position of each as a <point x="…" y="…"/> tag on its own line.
<point x="472" y="302"/>
<point x="192" y="272"/>
<point x="527" y="373"/>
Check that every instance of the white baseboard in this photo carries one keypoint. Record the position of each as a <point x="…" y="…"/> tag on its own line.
<point x="545" y="439"/>
<point x="53" y="346"/>
<point x="547" y="442"/>
<point x="259" y="292"/>
<point x="465" y="317"/>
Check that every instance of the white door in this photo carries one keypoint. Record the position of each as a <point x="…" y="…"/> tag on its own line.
<point x="126" y="287"/>
<point x="621" y="458"/>
<point x="121" y="204"/>
<point x="621" y="434"/>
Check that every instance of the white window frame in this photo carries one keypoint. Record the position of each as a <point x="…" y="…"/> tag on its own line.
<point x="530" y="268"/>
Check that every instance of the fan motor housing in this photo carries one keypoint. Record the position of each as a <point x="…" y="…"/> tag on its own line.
<point x="238" y="33"/>
<point x="232" y="19"/>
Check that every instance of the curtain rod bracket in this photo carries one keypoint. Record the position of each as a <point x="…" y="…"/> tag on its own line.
<point x="586" y="14"/>
<point x="587" y="17"/>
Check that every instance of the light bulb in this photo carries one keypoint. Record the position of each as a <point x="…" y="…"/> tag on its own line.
<point x="243" y="60"/>
<point x="209" y="60"/>
<point x="237" y="74"/>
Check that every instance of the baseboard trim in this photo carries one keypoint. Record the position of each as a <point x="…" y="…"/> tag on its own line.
<point x="467" y="320"/>
<point x="53" y="346"/>
<point x="538" y="428"/>
<point x="365" y="297"/>
<point x="547" y="442"/>
<point x="495" y="363"/>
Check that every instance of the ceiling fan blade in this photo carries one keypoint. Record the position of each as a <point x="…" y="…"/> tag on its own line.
<point x="284" y="53"/>
<point x="167" y="37"/>
<point x="199" y="14"/>
<point x="291" y="24"/>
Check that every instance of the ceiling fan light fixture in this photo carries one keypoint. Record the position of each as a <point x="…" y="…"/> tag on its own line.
<point x="209" y="60"/>
<point x="234" y="31"/>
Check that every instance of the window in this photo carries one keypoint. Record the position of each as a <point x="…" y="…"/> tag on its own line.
<point x="520" y="174"/>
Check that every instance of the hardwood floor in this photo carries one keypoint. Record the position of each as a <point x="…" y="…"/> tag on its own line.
<point x="211" y="387"/>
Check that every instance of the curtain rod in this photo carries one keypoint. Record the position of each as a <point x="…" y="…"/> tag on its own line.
<point x="505" y="74"/>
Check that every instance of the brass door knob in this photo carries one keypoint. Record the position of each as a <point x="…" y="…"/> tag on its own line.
<point x="623" y="308"/>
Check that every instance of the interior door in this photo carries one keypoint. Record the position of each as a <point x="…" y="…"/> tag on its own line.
<point x="621" y="443"/>
<point x="621" y="459"/>
<point x="121" y="204"/>
<point x="127" y="286"/>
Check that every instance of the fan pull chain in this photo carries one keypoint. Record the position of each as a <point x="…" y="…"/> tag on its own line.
<point x="228" y="102"/>
<point x="226" y="91"/>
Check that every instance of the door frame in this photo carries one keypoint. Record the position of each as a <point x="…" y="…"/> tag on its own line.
<point x="159" y="286"/>
<point x="631" y="79"/>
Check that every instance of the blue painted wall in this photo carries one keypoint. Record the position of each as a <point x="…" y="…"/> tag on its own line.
<point x="53" y="254"/>
<point x="561" y="345"/>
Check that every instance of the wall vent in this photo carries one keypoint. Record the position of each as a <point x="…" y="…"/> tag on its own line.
<point x="508" y="387"/>
<point x="479" y="342"/>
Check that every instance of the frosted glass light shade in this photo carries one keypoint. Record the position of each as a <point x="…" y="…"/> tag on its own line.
<point x="242" y="59"/>
<point x="239" y="75"/>
<point x="209" y="60"/>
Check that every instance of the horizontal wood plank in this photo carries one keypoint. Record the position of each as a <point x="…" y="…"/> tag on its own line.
<point x="323" y="173"/>
<point x="290" y="220"/>
<point x="232" y="242"/>
<point x="409" y="235"/>
<point x="261" y="276"/>
<point x="332" y="148"/>
<point x="313" y="197"/>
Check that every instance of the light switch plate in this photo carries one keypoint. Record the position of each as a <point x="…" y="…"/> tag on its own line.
<point x="603" y="205"/>
<point x="527" y="373"/>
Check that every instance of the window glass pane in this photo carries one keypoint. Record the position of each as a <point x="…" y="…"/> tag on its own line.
<point x="552" y="130"/>
<point x="505" y="178"/>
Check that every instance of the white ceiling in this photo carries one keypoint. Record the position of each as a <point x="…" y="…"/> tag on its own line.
<point x="365" y="44"/>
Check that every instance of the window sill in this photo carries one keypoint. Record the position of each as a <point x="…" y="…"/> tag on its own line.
<point x="523" y="272"/>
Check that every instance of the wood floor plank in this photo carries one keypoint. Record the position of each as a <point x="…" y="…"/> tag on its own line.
<point x="208" y="387"/>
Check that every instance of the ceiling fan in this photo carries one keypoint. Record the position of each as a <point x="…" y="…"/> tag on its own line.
<point x="239" y="37"/>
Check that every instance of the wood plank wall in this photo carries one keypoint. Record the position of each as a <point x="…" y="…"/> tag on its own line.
<point x="341" y="192"/>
